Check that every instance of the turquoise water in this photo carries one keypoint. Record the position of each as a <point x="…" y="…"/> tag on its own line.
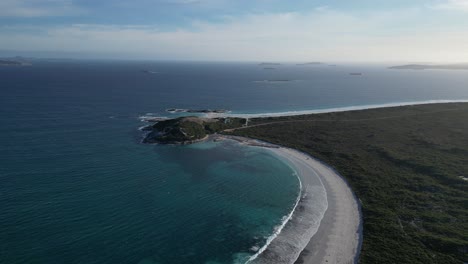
<point x="95" y="195"/>
<point x="77" y="186"/>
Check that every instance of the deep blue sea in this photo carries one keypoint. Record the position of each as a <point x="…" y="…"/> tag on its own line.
<point x="77" y="186"/>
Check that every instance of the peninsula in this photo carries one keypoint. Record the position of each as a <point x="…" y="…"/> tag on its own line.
<point x="406" y="165"/>
<point x="186" y="130"/>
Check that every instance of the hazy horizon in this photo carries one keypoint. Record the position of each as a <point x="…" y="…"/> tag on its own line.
<point x="221" y="30"/>
<point x="38" y="55"/>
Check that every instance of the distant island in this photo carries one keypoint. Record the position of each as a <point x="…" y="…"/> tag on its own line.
<point x="313" y="63"/>
<point x="269" y="64"/>
<point x="431" y="67"/>
<point x="274" y="81"/>
<point x="150" y="72"/>
<point x="15" y="61"/>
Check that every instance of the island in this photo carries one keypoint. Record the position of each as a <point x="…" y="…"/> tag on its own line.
<point x="149" y="72"/>
<point x="431" y="67"/>
<point x="13" y="62"/>
<point x="313" y="63"/>
<point x="274" y="81"/>
<point x="269" y="64"/>
<point x="405" y="165"/>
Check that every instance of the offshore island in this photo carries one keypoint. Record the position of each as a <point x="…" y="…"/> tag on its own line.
<point x="431" y="67"/>
<point x="395" y="177"/>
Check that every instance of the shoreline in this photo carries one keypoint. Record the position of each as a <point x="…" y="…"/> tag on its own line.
<point x="334" y="235"/>
<point x="149" y="116"/>
<point x="336" y="109"/>
<point x="339" y="236"/>
<point x="339" y="233"/>
<point x="341" y="229"/>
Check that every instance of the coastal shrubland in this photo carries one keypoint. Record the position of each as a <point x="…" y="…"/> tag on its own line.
<point x="408" y="166"/>
<point x="185" y="130"/>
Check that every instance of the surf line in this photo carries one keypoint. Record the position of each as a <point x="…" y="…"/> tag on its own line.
<point x="280" y="228"/>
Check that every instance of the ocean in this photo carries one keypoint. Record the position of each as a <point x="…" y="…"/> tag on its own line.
<point x="77" y="185"/>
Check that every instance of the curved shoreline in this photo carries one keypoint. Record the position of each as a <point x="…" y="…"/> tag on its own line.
<point x="339" y="237"/>
<point x="281" y="227"/>
<point x="332" y="236"/>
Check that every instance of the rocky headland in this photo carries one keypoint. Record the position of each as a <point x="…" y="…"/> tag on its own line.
<point x="187" y="130"/>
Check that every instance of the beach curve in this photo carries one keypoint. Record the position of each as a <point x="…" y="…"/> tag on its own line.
<point x="331" y="234"/>
<point x="339" y="236"/>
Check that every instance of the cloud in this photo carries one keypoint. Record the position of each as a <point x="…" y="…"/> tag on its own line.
<point x="326" y="35"/>
<point x="182" y="2"/>
<point x="322" y="8"/>
<point x="38" y="8"/>
<point x="458" y="5"/>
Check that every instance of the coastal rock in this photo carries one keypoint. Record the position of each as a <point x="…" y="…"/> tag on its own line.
<point x="186" y="130"/>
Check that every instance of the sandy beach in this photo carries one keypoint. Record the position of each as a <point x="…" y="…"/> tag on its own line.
<point x="338" y="237"/>
<point x="333" y="233"/>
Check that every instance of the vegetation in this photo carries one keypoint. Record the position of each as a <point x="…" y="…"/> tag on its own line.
<point x="189" y="129"/>
<point x="406" y="165"/>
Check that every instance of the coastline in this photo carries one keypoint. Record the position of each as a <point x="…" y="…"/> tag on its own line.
<point x="149" y="116"/>
<point x="336" y="109"/>
<point x="338" y="237"/>
<point x="388" y="155"/>
<point x="329" y="235"/>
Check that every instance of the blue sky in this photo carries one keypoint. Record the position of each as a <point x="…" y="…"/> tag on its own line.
<point x="254" y="30"/>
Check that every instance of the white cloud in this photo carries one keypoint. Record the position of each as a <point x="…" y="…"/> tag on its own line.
<point x="37" y="8"/>
<point x="322" y="8"/>
<point x="459" y="5"/>
<point x="182" y="2"/>
<point x="319" y="35"/>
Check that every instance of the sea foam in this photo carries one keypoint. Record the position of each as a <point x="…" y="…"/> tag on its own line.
<point x="291" y="237"/>
<point x="280" y="227"/>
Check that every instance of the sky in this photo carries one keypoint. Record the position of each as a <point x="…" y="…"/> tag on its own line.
<point x="238" y="30"/>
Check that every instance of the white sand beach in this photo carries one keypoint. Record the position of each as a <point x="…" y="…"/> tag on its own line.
<point x="336" y="236"/>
